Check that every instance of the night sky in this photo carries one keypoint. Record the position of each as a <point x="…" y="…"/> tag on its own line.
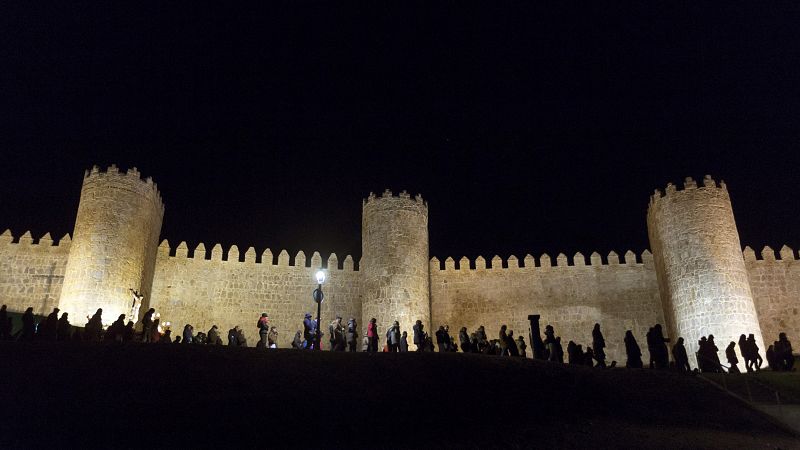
<point x="528" y="128"/>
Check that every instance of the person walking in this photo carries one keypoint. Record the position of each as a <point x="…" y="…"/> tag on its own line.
<point x="147" y="325"/>
<point x="352" y="335"/>
<point x="63" y="328"/>
<point x="680" y="356"/>
<point x="599" y="345"/>
<point x="463" y="339"/>
<point x="419" y="335"/>
<point x="372" y="334"/>
<point x="404" y="342"/>
<point x="730" y="354"/>
<point x="309" y="331"/>
<point x="394" y="337"/>
<point x="263" y="331"/>
<point x="633" y="352"/>
<point x="503" y="341"/>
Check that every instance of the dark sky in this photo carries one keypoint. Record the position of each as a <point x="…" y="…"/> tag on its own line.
<point x="529" y="128"/>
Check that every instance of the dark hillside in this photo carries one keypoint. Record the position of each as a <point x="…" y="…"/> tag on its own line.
<point x="200" y="396"/>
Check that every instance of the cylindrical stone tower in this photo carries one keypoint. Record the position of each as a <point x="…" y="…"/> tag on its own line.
<point x="394" y="244"/>
<point x="114" y="244"/>
<point x="699" y="266"/>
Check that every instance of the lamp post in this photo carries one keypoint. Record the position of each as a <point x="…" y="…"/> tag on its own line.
<point x="318" y="297"/>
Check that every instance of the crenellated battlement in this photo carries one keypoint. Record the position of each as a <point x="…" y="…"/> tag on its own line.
<point x="767" y="254"/>
<point x="388" y="194"/>
<point x="233" y="256"/>
<point x="44" y="242"/>
<point x="689" y="184"/>
<point x="133" y="174"/>
<point x="544" y="261"/>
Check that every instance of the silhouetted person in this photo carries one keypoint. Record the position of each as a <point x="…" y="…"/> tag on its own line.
<point x="213" y="336"/>
<point x="483" y="340"/>
<point x="309" y="331"/>
<point x="783" y="353"/>
<point x="94" y="327"/>
<point x="188" y="334"/>
<point x="297" y="342"/>
<point x="713" y="353"/>
<point x="463" y="339"/>
<point x="772" y="359"/>
<point x="4" y="333"/>
<point x="115" y="330"/>
<point x="503" y="340"/>
<point x="511" y="344"/>
<point x="440" y="342"/>
<point x="680" y="356"/>
<point x="372" y="334"/>
<point x="757" y="361"/>
<point x="573" y="356"/>
<point x="155" y="335"/>
<point x="147" y="325"/>
<point x="599" y="345"/>
<point x="730" y="355"/>
<point x="633" y="352"/>
<point x="129" y="333"/>
<point x="63" y="328"/>
<point x="419" y="335"/>
<point x="473" y="343"/>
<point x="263" y="331"/>
<point x="241" y="340"/>
<point x="47" y="329"/>
<point x="177" y="340"/>
<point x="166" y="338"/>
<point x="537" y="345"/>
<point x="660" y="348"/>
<point x="448" y="341"/>
<point x="352" y="335"/>
<point x="559" y="350"/>
<point x="28" y="326"/>
<point x="550" y="343"/>
<point x="404" y="342"/>
<point x="394" y="337"/>
<point x="337" y="332"/>
<point x="522" y="346"/>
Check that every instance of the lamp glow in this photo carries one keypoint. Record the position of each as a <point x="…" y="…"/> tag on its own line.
<point x="320" y="277"/>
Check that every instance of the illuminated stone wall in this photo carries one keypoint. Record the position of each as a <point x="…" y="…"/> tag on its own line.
<point x="204" y="290"/>
<point x="572" y="298"/>
<point x="114" y="243"/>
<point x="31" y="274"/>
<point x="394" y="242"/>
<point x="698" y="276"/>
<point x="703" y="280"/>
<point x="775" y="283"/>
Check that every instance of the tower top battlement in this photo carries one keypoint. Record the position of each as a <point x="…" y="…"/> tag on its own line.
<point x="132" y="174"/>
<point x="402" y="196"/>
<point x="689" y="185"/>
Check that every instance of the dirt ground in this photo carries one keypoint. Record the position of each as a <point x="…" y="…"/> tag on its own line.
<point x="180" y="396"/>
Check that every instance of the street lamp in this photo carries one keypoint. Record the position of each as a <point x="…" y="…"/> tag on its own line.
<point x="318" y="297"/>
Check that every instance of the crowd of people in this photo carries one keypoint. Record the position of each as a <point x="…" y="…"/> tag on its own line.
<point x="341" y="337"/>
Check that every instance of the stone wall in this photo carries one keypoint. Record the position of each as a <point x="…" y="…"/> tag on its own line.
<point x="775" y="283"/>
<point x="31" y="274"/>
<point x="204" y="290"/>
<point x="702" y="277"/>
<point x="572" y="298"/>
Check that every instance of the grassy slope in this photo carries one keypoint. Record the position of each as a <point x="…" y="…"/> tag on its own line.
<point x="179" y="396"/>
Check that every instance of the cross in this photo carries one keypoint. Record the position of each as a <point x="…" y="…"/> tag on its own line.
<point x="49" y="285"/>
